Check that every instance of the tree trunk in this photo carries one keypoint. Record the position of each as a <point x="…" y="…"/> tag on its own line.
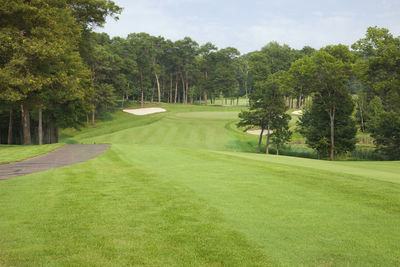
<point x="152" y="92"/>
<point x="298" y="101"/>
<point x="205" y="97"/>
<point x="260" y="140"/>
<point x="170" y="88"/>
<point x="176" y="88"/>
<point x="158" y="89"/>
<point x="332" y="123"/>
<point x="93" y="114"/>
<point x="10" y="128"/>
<point x="187" y="89"/>
<point x="40" y="126"/>
<point x="362" y="118"/>
<point x="200" y="99"/>
<point x="26" y="127"/>
<point x="183" y="88"/>
<point x="277" y="149"/>
<point x="222" y="99"/>
<point x="268" y="135"/>
<point x="141" y="88"/>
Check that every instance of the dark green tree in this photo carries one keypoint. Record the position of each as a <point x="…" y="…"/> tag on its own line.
<point x="379" y="70"/>
<point x="330" y="71"/>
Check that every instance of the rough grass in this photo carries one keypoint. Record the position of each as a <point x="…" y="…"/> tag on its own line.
<point x="174" y="190"/>
<point x="14" y="153"/>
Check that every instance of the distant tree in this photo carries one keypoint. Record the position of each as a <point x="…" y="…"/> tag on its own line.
<point x="330" y="70"/>
<point x="225" y="80"/>
<point x="299" y="79"/>
<point x="266" y="105"/>
<point x="207" y="66"/>
<point x="379" y="70"/>
<point x="315" y="124"/>
<point x="259" y="69"/>
<point x="279" y="57"/>
<point x="187" y="50"/>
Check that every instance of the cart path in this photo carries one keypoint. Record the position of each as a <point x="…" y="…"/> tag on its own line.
<point x="64" y="156"/>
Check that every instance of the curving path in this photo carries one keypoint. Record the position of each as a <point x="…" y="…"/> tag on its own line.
<point x="66" y="155"/>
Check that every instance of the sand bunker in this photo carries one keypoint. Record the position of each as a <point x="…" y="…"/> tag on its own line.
<point x="144" y="111"/>
<point x="258" y="132"/>
<point x="297" y="112"/>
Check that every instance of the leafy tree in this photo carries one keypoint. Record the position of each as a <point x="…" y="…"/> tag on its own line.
<point x="266" y="105"/>
<point x="299" y="79"/>
<point x="315" y="124"/>
<point x="331" y="68"/>
<point x="207" y="62"/>
<point x="225" y="69"/>
<point x="379" y="70"/>
<point x="386" y="132"/>
<point x="279" y="57"/>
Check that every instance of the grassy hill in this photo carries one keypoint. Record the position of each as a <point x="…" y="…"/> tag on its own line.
<point x="181" y="189"/>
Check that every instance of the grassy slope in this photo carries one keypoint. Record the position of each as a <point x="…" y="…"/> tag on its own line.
<point x="18" y="153"/>
<point x="173" y="191"/>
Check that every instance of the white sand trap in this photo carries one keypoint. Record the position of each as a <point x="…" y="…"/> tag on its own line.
<point x="297" y="112"/>
<point x="258" y="132"/>
<point x="144" y="111"/>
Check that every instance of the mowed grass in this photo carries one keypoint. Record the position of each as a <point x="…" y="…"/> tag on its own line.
<point x="12" y="153"/>
<point x="176" y="189"/>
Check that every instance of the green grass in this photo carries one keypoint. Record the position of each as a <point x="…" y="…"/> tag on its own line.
<point x="178" y="189"/>
<point x="17" y="153"/>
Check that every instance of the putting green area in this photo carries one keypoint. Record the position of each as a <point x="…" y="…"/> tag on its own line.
<point x="185" y="188"/>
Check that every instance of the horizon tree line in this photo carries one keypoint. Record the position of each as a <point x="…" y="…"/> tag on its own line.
<point x="55" y="72"/>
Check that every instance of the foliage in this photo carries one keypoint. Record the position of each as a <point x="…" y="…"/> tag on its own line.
<point x="379" y="70"/>
<point x="314" y="125"/>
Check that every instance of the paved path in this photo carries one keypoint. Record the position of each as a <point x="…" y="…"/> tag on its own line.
<point x="66" y="155"/>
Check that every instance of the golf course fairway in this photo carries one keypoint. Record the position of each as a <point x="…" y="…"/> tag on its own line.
<point x="185" y="188"/>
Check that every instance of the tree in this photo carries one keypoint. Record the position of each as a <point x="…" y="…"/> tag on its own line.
<point x="299" y="78"/>
<point x="331" y="68"/>
<point x="43" y="36"/>
<point x="379" y="71"/>
<point x="207" y="54"/>
<point x="315" y="124"/>
<point x="266" y="105"/>
<point x="224" y="79"/>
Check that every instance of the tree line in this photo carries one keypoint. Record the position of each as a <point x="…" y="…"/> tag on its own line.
<point x="45" y="78"/>
<point x="56" y="72"/>
<point x="348" y="91"/>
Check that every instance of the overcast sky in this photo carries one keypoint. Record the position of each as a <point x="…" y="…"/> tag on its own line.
<point x="250" y="24"/>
